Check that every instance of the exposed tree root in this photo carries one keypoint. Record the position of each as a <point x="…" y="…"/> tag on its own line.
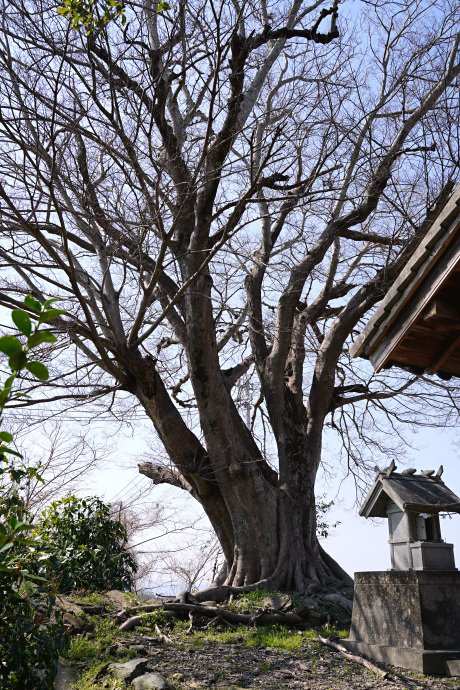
<point x="130" y="623"/>
<point x="353" y="657"/>
<point x="220" y="619"/>
<point x="221" y="593"/>
<point x="263" y="616"/>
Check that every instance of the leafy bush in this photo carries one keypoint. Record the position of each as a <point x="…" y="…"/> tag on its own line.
<point x="89" y="545"/>
<point x="29" y="644"/>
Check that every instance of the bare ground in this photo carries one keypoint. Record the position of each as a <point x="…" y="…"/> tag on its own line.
<point x="313" y="667"/>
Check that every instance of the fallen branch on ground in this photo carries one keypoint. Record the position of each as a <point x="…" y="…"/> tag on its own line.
<point x="190" y="615"/>
<point x="264" y="616"/>
<point x="353" y="657"/>
<point x="213" y="620"/>
<point x="162" y="636"/>
<point x="219" y="619"/>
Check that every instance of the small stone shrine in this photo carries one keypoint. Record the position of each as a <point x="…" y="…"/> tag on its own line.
<point x="409" y="616"/>
<point x="412" y="503"/>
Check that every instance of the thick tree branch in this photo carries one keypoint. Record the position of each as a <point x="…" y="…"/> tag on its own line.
<point x="164" y="475"/>
<point x="373" y="237"/>
<point x="312" y="34"/>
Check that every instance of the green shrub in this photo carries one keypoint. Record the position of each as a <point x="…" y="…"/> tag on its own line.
<point x="89" y="545"/>
<point x="29" y="644"/>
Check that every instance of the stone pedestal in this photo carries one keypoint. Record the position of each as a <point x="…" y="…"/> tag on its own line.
<point x="409" y="619"/>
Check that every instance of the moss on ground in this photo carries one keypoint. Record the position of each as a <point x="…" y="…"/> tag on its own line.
<point x="92" y="598"/>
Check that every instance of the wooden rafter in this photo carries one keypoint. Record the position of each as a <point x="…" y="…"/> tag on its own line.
<point x="443" y="355"/>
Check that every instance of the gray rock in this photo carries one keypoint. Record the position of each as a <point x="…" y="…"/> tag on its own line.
<point x="150" y="681"/>
<point x="65" y="604"/>
<point x="66" y="676"/>
<point x="76" y="623"/>
<point x="119" y="598"/>
<point x="112" y="649"/>
<point x="339" y="600"/>
<point x="146" y="639"/>
<point x="279" y="602"/>
<point x="130" y="670"/>
<point x="140" y="648"/>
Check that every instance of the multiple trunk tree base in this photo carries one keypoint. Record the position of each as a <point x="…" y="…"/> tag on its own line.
<point x="267" y="544"/>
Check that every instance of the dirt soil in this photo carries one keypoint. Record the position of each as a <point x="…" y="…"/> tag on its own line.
<point x="313" y="667"/>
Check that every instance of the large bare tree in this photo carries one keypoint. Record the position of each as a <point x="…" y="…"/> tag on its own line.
<point x="218" y="194"/>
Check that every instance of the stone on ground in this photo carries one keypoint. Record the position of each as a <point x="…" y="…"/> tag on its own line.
<point x="66" y="676"/>
<point x="66" y="604"/>
<point x="150" y="681"/>
<point x="139" y="648"/>
<point x="119" y="598"/>
<point x="76" y="624"/>
<point x="279" y="602"/>
<point x="130" y="670"/>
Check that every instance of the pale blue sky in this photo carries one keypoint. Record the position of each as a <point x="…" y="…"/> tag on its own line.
<point x="359" y="544"/>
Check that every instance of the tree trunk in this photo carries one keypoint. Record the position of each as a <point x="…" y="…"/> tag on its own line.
<point x="266" y="524"/>
<point x="273" y="535"/>
<point x="287" y="555"/>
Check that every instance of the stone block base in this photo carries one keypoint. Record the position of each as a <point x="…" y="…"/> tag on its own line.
<point x="442" y="662"/>
<point x="409" y="619"/>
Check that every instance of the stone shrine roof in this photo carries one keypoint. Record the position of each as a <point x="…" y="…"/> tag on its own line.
<point x="420" y="493"/>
